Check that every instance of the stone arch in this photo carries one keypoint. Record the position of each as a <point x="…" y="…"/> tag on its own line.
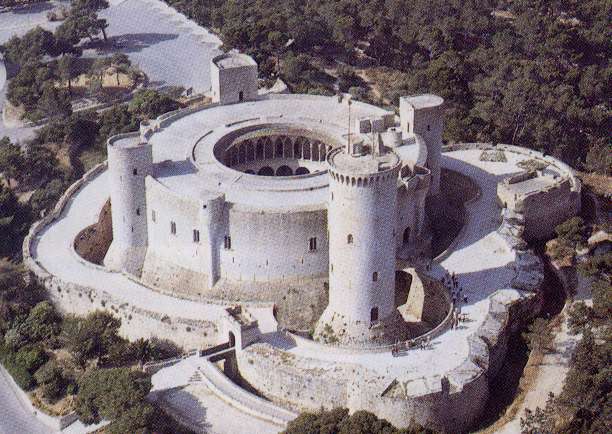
<point x="268" y="148"/>
<point x="259" y="150"/>
<point x="302" y="171"/>
<point x="250" y="171"/>
<point x="322" y="152"/>
<point x="278" y="147"/>
<point x="353" y="181"/>
<point x="315" y="151"/>
<point x="284" y="171"/>
<point x="287" y="148"/>
<point x="241" y="154"/>
<point x="359" y="182"/>
<point x="306" y="150"/>
<point x="266" y="171"/>
<point x="297" y="148"/>
<point x="250" y="151"/>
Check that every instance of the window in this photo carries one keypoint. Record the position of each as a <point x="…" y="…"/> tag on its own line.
<point x="173" y="228"/>
<point x="312" y="244"/>
<point x="349" y="239"/>
<point x="227" y="242"/>
<point x="153" y="216"/>
<point x="428" y="127"/>
<point x="137" y="211"/>
<point x="196" y="236"/>
<point x="406" y="236"/>
<point x="241" y="96"/>
<point x="375" y="276"/>
<point x="135" y="171"/>
<point x="374" y="314"/>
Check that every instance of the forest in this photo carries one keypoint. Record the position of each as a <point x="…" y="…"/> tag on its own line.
<point x="534" y="73"/>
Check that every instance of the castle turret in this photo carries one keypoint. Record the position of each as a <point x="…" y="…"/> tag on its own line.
<point x="361" y="220"/>
<point x="233" y="78"/>
<point x="423" y="115"/>
<point x="130" y="161"/>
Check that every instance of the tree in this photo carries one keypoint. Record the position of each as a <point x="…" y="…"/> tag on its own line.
<point x="50" y="378"/>
<point x="54" y="102"/>
<point x="149" y="104"/>
<point x="92" y="336"/>
<point x="11" y="159"/>
<point x="67" y="70"/>
<point x="31" y="47"/>
<point x="121" y="64"/>
<point x="539" y="336"/>
<point x="110" y="393"/>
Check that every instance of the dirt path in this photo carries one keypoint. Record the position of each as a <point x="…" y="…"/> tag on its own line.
<point x="545" y="374"/>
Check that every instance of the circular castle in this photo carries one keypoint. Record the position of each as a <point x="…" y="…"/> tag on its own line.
<point x="301" y="229"/>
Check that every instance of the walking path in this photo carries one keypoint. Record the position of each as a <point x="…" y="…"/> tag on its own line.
<point x="183" y="391"/>
<point x="15" y="415"/>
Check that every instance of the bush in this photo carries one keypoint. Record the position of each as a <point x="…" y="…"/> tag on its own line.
<point x="573" y="232"/>
<point x="52" y="382"/>
<point x="31" y="358"/>
<point x="338" y="421"/>
<point x="150" y="104"/>
<point x="109" y="393"/>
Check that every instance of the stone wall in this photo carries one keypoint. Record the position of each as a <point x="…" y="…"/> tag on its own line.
<point x="541" y="210"/>
<point x="79" y="300"/>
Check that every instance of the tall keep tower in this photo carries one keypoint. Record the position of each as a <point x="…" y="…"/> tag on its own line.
<point x="361" y="221"/>
<point x="423" y="115"/>
<point x="130" y="161"/>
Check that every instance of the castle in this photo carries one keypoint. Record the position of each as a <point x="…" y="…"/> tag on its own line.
<point x="299" y="231"/>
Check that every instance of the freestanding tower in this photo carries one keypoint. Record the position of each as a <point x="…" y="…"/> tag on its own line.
<point x="130" y="161"/>
<point x="363" y="185"/>
<point x="233" y="78"/>
<point x="422" y="115"/>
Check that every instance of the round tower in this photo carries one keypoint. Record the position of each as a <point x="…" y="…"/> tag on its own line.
<point x="130" y="161"/>
<point x="423" y="115"/>
<point x="361" y="220"/>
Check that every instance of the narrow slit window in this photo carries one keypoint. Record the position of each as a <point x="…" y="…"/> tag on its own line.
<point x="375" y="276"/>
<point x="173" y="228"/>
<point x="153" y="216"/>
<point x="196" y="236"/>
<point x="227" y="242"/>
<point x="312" y="244"/>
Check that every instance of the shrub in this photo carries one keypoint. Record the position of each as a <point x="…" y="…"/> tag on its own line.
<point x="52" y="382"/>
<point x="109" y="393"/>
<point x="31" y="358"/>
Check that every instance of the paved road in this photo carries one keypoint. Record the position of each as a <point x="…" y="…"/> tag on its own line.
<point x="15" y="417"/>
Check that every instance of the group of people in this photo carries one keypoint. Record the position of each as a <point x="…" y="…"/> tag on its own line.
<point x="422" y="344"/>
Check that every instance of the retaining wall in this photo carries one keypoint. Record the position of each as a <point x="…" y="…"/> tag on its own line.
<point x="76" y="299"/>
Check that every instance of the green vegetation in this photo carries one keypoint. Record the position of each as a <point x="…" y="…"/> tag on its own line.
<point x="338" y="421"/>
<point x="82" y="356"/>
<point x="585" y="401"/>
<point x="530" y="73"/>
